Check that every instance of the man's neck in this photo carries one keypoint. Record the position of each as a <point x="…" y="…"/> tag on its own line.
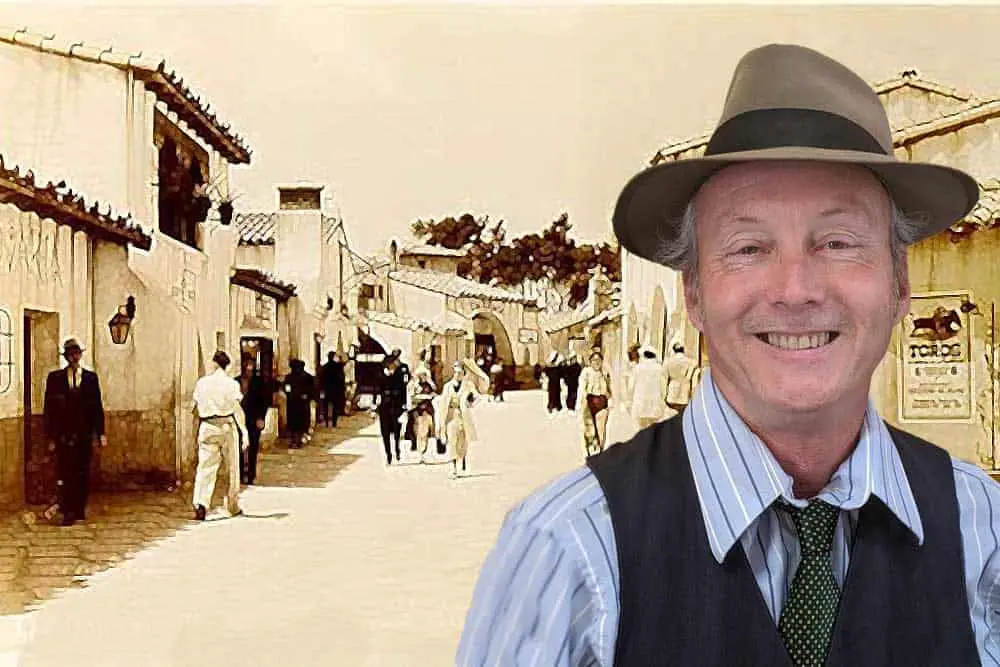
<point x="808" y="447"/>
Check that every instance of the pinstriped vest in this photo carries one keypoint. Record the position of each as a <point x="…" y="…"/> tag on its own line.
<point x="902" y="604"/>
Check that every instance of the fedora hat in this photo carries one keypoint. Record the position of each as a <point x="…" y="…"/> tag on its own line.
<point x="788" y="102"/>
<point x="72" y="344"/>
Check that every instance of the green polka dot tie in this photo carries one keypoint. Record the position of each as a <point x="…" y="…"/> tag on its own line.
<point x="807" y="619"/>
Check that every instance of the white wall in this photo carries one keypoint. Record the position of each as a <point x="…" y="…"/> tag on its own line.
<point x="65" y="119"/>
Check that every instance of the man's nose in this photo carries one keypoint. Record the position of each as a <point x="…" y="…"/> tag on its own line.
<point x="795" y="278"/>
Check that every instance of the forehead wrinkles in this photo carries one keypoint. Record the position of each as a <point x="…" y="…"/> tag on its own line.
<point x="743" y="193"/>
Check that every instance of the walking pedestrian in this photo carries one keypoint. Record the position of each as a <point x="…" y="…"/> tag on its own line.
<point x="496" y="381"/>
<point x="258" y="397"/>
<point x="457" y="427"/>
<point x="73" y="415"/>
<point x="300" y="391"/>
<point x="553" y="382"/>
<point x="571" y="375"/>
<point x="222" y="434"/>
<point x="595" y="385"/>
<point x="390" y="402"/>
<point x="333" y="384"/>
<point x="680" y="370"/>
<point x="649" y="389"/>
<point x="628" y="382"/>
<point x="422" y="394"/>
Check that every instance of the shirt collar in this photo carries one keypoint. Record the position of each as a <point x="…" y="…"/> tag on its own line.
<point x="737" y="477"/>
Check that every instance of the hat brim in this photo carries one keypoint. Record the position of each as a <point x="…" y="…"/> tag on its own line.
<point x="651" y="205"/>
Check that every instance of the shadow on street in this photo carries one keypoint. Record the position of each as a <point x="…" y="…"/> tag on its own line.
<point x="39" y="559"/>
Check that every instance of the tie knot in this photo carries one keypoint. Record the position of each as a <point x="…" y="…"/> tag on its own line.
<point x="815" y="525"/>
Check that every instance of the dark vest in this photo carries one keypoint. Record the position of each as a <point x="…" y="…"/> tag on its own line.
<point x="901" y="604"/>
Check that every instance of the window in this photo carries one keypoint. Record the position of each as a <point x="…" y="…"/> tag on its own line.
<point x="6" y="352"/>
<point x="181" y="178"/>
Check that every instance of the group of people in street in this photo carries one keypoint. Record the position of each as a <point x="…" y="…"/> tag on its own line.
<point x="558" y="373"/>
<point x="654" y="390"/>
<point x="414" y="399"/>
<point x="651" y="389"/>
<point x="232" y="415"/>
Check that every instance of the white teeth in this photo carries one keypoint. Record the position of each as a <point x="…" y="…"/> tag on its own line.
<point x="798" y="342"/>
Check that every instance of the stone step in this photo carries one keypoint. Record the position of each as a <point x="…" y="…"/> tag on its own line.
<point x="54" y="550"/>
<point x="55" y="567"/>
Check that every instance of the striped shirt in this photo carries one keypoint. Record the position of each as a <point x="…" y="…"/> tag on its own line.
<point x="548" y="592"/>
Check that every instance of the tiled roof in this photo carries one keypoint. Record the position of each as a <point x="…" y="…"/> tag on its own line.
<point x="911" y="79"/>
<point x="260" y="228"/>
<point x="412" y="323"/>
<point x="256" y="228"/>
<point x="264" y="283"/>
<point x="566" y="319"/>
<point x="987" y="210"/>
<point x="455" y="286"/>
<point x="966" y="114"/>
<point x="971" y="110"/>
<point x="166" y="85"/>
<point x="59" y="203"/>
<point x="432" y="250"/>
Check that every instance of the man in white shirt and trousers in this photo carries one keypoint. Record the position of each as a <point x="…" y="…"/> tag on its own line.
<point x="220" y="417"/>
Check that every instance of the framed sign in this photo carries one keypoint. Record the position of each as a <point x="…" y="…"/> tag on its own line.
<point x="935" y="368"/>
<point x="527" y="336"/>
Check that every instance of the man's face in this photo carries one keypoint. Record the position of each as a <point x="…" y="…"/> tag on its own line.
<point x="73" y="357"/>
<point x="795" y="292"/>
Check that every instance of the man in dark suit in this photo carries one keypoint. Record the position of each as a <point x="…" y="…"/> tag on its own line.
<point x="74" y="419"/>
<point x="390" y="404"/>
<point x="300" y="389"/>
<point x="258" y="397"/>
<point x="334" y="385"/>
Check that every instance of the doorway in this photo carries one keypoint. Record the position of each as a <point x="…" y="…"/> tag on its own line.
<point x="40" y="355"/>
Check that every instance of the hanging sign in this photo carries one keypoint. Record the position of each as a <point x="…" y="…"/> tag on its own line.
<point x="935" y="369"/>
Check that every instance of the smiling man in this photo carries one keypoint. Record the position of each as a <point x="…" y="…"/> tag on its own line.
<point x="778" y="520"/>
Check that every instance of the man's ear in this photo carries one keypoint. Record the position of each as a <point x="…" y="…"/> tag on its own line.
<point x="692" y="300"/>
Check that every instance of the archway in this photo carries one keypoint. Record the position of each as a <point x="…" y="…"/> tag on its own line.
<point x="491" y="340"/>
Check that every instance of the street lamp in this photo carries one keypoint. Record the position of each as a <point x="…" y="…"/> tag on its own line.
<point x="121" y="323"/>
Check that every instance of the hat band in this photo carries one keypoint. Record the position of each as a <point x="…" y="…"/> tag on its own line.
<point x="773" y="128"/>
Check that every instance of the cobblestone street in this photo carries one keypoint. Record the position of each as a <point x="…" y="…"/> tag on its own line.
<point x="375" y="568"/>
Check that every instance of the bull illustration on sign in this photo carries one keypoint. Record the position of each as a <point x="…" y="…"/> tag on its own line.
<point x="942" y="325"/>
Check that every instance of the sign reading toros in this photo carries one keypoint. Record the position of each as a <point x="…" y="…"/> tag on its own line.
<point x="935" y="369"/>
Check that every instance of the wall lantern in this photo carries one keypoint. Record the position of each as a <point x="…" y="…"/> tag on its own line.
<point x="121" y="323"/>
<point x="352" y="352"/>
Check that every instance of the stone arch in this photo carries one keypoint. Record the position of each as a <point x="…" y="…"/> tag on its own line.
<point x="495" y="328"/>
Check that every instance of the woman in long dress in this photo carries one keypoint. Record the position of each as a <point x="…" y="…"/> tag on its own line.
<point x="422" y="393"/>
<point x="595" y="393"/>
<point x="456" y="426"/>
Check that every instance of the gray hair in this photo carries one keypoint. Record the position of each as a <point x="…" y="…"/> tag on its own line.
<point x="680" y="252"/>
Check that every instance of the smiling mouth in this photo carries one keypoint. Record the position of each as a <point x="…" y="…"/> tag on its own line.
<point x="799" y="342"/>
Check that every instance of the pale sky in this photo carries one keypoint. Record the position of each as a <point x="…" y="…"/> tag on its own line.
<point x="518" y="112"/>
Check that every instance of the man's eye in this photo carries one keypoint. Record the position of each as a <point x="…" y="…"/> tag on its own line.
<point x="836" y="244"/>
<point x="748" y="250"/>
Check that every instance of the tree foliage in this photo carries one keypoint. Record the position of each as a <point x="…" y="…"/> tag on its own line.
<point x="549" y="256"/>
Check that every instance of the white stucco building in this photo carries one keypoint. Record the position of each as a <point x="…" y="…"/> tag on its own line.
<point x="127" y="135"/>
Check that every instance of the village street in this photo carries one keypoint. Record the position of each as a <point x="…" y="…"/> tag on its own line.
<point x="375" y="567"/>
